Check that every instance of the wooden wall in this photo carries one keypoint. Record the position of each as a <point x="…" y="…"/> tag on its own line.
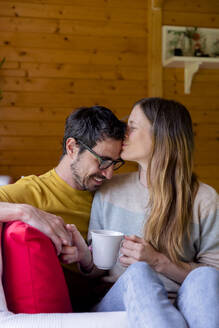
<point x="61" y="54"/>
<point x="203" y="102"/>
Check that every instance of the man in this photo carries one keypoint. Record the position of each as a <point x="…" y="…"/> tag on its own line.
<point x="91" y="149"/>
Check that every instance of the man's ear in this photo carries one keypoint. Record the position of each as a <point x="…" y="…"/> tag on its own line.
<point x="72" y="148"/>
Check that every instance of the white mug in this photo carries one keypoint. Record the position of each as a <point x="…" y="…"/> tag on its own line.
<point x="105" y="247"/>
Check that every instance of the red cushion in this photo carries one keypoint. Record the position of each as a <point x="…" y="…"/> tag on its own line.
<point x="33" y="279"/>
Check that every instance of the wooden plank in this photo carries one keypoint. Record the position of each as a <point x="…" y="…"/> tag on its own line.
<point x="30" y="143"/>
<point x="8" y="128"/>
<point x="68" y="56"/>
<point x="9" y="65"/>
<point x="108" y="72"/>
<point x="90" y="87"/>
<point x="191" y="19"/>
<point x="34" y="113"/>
<point x="16" y="171"/>
<point x="208" y="145"/>
<point x="205" y="130"/>
<point x="12" y="72"/>
<point x="106" y="28"/>
<point x="30" y="157"/>
<point x="206" y="158"/>
<point x="155" y="80"/>
<point x="43" y="113"/>
<point x="195" y="103"/>
<point x="203" y="75"/>
<point x="76" y="43"/>
<point x="123" y="15"/>
<point x="195" y="6"/>
<point x="207" y="172"/>
<point x="73" y="27"/>
<point x="141" y="4"/>
<point x="37" y="99"/>
<point x="198" y="89"/>
<point x="205" y="116"/>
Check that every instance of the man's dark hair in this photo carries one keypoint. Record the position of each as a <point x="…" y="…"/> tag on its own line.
<point x="91" y="125"/>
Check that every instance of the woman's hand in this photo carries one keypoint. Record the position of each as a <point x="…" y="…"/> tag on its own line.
<point x="135" y="249"/>
<point x="79" y="251"/>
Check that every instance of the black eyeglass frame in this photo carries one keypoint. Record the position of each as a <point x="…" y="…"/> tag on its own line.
<point x="102" y="159"/>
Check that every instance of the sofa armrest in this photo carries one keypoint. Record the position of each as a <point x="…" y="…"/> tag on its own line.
<point x="3" y="306"/>
<point x="57" y="320"/>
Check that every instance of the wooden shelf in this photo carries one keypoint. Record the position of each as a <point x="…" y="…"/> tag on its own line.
<point x="191" y="66"/>
<point x="179" y="61"/>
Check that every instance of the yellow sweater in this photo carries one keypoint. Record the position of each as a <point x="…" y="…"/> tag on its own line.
<point x="50" y="193"/>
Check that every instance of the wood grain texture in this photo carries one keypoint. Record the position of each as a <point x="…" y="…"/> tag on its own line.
<point x="155" y="70"/>
<point x="210" y="20"/>
<point x="60" y="55"/>
<point x="194" y="7"/>
<point x="76" y="12"/>
<point x="203" y="101"/>
<point x="73" y="27"/>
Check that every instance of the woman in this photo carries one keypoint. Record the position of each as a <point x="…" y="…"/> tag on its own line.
<point x="171" y="222"/>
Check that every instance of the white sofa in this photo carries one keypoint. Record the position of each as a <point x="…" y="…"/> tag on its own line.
<point x="56" y="320"/>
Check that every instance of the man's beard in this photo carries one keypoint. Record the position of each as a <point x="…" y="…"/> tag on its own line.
<point x="83" y="184"/>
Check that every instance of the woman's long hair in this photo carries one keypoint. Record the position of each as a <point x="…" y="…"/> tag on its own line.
<point x="171" y="182"/>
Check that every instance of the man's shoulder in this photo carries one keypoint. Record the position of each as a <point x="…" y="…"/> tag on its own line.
<point x="33" y="180"/>
<point x="22" y="188"/>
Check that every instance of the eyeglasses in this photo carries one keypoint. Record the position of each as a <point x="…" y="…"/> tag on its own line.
<point x="104" y="162"/>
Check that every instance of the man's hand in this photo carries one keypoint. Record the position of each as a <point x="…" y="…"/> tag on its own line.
<point x="79" y="252"/>
<point x="51" y="225"/>
<point x="136" y="249"/>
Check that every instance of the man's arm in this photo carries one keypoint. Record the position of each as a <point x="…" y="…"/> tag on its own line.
<point x="51" y="225"/>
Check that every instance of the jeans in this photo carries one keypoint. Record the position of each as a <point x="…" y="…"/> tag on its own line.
<point x="140" y="293"/>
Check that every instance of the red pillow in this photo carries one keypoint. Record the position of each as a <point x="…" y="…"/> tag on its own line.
<point x="33" y="279"/>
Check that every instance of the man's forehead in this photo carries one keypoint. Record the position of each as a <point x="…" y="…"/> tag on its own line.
<point x="108" y="147"/>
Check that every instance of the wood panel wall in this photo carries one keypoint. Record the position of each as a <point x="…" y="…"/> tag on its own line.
<point x="203" y="101"/>
<point x="61" y="54"/>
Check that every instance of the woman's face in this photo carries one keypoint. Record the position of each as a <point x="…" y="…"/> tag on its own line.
<point x="137" y="145"/>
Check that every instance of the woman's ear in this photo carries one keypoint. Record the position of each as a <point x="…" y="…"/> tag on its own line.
<point x="71" y="148"/>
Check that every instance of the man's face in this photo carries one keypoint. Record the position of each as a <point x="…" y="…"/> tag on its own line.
<point x="85" y="167"/>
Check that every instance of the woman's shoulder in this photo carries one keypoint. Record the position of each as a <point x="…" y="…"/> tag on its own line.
<point x="206" y="193"/>
<point x="206" y="200"/>
<point x="120" y="182"/>
<point x="124" y="190"/>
